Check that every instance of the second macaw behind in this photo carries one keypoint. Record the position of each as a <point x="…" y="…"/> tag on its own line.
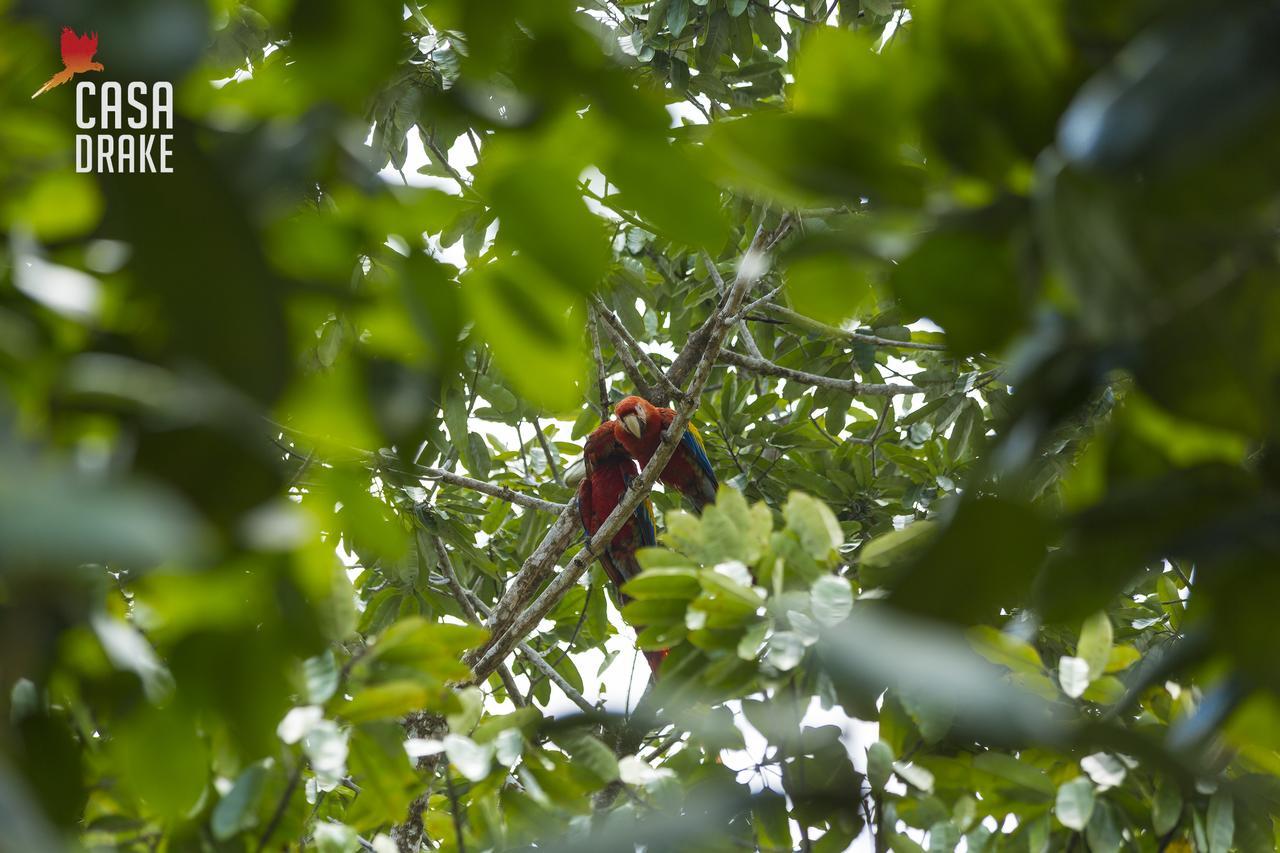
<point x="639" y="428"/>
<point x="609" y="471"/>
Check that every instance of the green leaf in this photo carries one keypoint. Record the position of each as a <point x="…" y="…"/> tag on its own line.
<point x="984" y="314"/>
<point x="117" y="522"/>
<point x="815" y="524"/>
<point x="831" y="599"/>
<point x="497" y="513"/>
<point x="769" y="817"/>
<point x="1024" y="782"/>
<point x="470" y="709"/>
<point x="387" y="780"/>
<point x="1121" y="658"/>
<point x="677" y="16"/>
<point x="1003" y="648"/>
<point x="541" y="213"/>
<point x="591" y="755"/>
<point x="679" y="584"/>
<point x="432" y="648"/>
<point x="1166" y="807"/>
<point x="1094" y="647"/>
<point x="320" y="674"/>
<point x="879" y="765"/>
<point x="1074" y="804"/>
<point x="880" y="557"/>
<point x="1220" y="821"/>
<point x="1103" y="833"/>
<point x="393" y="699"/>
<point x="959" y="578"/>
<point x="161" y="759"/>
<point x="533" y="323"/>
<point x="715" y="39"/>
<point x="831" y="287"/>
<point x="236" y="811"/>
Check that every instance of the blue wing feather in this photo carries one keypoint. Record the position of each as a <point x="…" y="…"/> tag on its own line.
<point x="644" y="518"/>
<point x="645" y="522"/>
<point x="693" y="443"/>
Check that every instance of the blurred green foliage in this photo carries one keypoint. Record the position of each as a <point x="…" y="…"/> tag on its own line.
<point x="1047" y="575"/>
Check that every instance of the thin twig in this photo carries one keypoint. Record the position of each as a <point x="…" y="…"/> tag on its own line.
<point x="278" y="814"/>
<point x="849" y="386"/>
<point x="463" y="185"/>
<point x="629" y="364"/>
<point x="602" y="383"/>
<point x="540" y="663"/>
<point x="500" y="492"/>
<point x="622" y="337"/>
<point x="552" y="458"/>
<point x="835" y="332"/>
<point x="464" y="601"/>
<point x="453" y="807"/>
<point x="763" y="300"/>
<point x="747" y="339"/>
<point x="573" y="638"/>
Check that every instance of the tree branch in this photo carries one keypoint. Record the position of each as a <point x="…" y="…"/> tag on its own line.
<point x="535" y="568"/>
<point x="629" y="364"/>
<point x="763" y="300"/>
<point x="849" y="386"/>
<point x="540" y="663"/>
<point x="507" y="636"/>
<point x="833" y="331"/>
<point x="748" y="271"/>
<point x="602" y="383"/>
<point x="623" y="338"/>
<point x="552" y="458"/>
<point x="747" y="339"/>
<point x="501" y="492"/>
<point x="464" y="596"/>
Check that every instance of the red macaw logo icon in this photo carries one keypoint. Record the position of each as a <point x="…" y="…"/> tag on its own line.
<point x="77" y="57"/>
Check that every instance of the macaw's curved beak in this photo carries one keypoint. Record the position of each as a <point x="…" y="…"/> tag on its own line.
<point x="576" y="472"/>
<point x="633" y="423"/>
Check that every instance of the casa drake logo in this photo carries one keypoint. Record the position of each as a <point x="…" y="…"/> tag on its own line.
<point x="125" y="122"/>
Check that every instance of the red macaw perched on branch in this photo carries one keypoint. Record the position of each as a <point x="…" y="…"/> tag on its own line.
<point x="640" y="426"/>
<point x="609" y="470"/>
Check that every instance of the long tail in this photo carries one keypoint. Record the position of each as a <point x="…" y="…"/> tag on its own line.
<point x="63" y="76"/>
<point x="620" y="567"/>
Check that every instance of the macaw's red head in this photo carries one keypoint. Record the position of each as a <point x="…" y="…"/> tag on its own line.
<point x="637" y="415"/>
<point x="602" y="444"/>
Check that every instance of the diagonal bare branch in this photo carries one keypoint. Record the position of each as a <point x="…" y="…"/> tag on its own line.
<point x="506" y="635"/>
<point x="623" y="338"/>
<point x="464" y="598"/>
<point x="629" y="364"/>
<point x="540" y="663"/>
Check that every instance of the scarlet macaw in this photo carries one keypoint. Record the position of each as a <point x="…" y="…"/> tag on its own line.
<point x="609" y="471"/>
<point x="77" y="58"/>
<point x="639" y="428"/>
